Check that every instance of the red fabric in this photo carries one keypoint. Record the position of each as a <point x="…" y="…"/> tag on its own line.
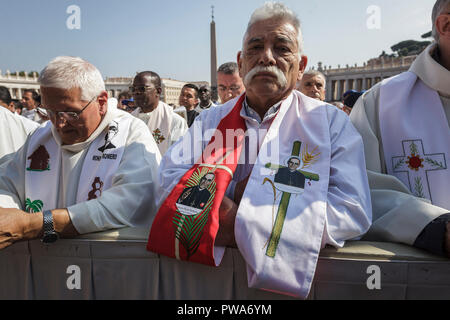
<point x="162" y="234"/>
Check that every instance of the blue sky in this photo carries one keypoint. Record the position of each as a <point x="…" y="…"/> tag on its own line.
<point x="171" y="37"/>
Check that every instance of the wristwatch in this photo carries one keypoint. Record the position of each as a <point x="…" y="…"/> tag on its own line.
<point x="50" y="235"/>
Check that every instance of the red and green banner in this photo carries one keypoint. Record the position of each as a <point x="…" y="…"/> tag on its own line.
<point x="187" y="223"/>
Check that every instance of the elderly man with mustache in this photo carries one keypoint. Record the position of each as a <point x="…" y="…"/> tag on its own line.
<point x="279" y="228"/>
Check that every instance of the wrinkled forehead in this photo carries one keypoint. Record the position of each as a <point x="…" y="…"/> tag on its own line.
<point x="313" y="78"/>
<point x="57" y="94"/>
<point x="227" y="79"/>
<point x="271" y="29"/>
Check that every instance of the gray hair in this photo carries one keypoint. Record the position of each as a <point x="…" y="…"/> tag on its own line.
<point x="314" y="73"/>
<point x="438" y="8"/>
<point x="229" y="68"/>
<point x="279" y="11"/>
<point x="69" y="72"/>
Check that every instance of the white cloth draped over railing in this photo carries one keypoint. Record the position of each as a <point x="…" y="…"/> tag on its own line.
<point x="122" y="269"/>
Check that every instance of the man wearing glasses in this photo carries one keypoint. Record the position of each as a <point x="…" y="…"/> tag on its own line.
<point x="165" y="125"/>
<point x="229" y="82"/>
<point x="87" y="151"/>
<point x="404" y="122"/>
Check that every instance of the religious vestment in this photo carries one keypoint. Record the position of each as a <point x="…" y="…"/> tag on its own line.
<point x="32" y="115"/>
<point x="200" y="109"/>
<point x="106" y="182"/>
<point x="404" y="122"/>
<point x="281" y="249"/>
<point x="14" y="130"/>
<point x="165" y="125"/>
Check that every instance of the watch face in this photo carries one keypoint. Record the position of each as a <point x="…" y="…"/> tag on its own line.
<point x="50" y="238"/>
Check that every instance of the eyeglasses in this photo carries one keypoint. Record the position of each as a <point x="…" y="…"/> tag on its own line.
<point x="140" y="89"/>
<point x="232" y="88"/>
<point x="70" y="116"/>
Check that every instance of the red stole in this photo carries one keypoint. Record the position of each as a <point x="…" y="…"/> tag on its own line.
<point x="187" y="223"/>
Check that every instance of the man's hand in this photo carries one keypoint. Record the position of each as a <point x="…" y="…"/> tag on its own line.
<point x="16" y="225"/>
<point x="227" y="217"/>
<point x="447" y="240"/>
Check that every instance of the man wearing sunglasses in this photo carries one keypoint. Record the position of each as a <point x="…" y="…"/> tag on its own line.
<point x="88" y="169"/>
<point x="404" y="122"/>
<point x="165" y="125"/>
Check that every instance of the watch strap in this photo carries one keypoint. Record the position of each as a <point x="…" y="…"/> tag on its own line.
<point x="48" y="222"/>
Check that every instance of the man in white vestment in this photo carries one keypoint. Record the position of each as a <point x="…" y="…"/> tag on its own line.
<point x="404" y="122"/>
<point x="90" y="168"/>
<point x="312" y="138"/>
<point x="165" y="125"/>
<point x="204" y="95"/>
<point x="14" y="129"/>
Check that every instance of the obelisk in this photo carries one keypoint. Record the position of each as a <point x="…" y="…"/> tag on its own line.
<point x="214" y="94"/>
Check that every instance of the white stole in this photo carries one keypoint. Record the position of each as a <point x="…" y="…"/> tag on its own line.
<point x="159" y="121"/>
<point x="416" y="137"/>
<point x="291" y="270"/>
<point x="43" y="165"/>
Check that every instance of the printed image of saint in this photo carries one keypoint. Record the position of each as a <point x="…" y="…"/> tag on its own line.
<point x="197" y="196"/>
<point x="112" y="132"/>
<point x="290" y="176"/>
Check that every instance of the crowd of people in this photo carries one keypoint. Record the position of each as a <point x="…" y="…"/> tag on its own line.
<point x="270" y="169"/>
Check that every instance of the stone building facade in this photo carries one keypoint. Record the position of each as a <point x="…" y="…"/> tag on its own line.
<point x="16" y="84"/>
<point x="364" y="77"/>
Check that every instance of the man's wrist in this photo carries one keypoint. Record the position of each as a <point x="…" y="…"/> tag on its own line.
<point x="227" y="213"/>
<point x="32" y="225"/>
<point x="63" y="224"/>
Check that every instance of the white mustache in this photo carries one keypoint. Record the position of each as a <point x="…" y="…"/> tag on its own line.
<point x="281" y="79"/>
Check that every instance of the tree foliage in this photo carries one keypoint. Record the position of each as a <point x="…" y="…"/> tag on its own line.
<point x="409" y="47"/>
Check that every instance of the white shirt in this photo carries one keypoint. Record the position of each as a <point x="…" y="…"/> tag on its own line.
<point x="199" y="108"/>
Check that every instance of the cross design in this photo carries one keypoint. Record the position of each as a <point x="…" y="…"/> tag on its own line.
<point x="416" y="164"/>
<point x="293" y="178"/>
<point x="158" y="136"/>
